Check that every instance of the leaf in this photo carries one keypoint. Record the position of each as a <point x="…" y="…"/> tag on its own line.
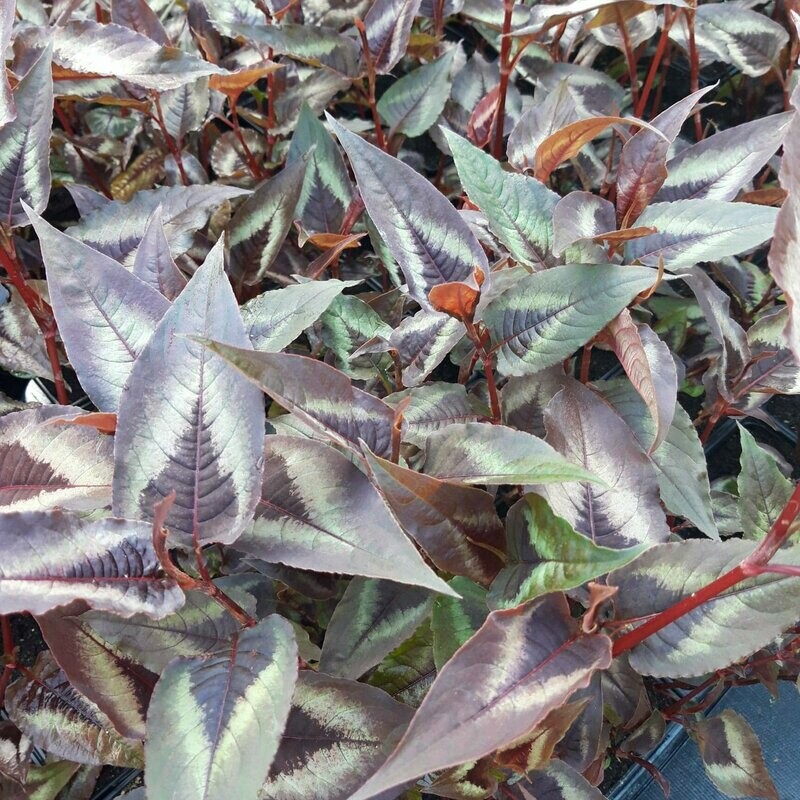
<point x="423" y="341"/>
<point x="105" y="314"/>
<point x="544" y="317"/>
<point x="139" y="17"/>
<point x="318" y="511"/>
<point x="46" y="782"/>
<point x="679" y="461"/>
<point x="200" y="626"/>
<point x="690" y="231"/>
<point x="153" y="261"/>
<point x="259" y="226"/>
<point x="90" y="47"/>
<point x="233" y="704"/>
<point x="8" y="110"/>
<point x="117" y="228"/>
<point x="119" y="687"/>
<point x="718" y="167"/>
<point x="501" y="683"/>
<point x="371" y="619"/>
<point x="388" y="27"/>
<point x="456" y="619"/>
<point x="547" y="555"/>
<point x="412" y="104"/>
<point x="57" y="718"/>
<point x="319" y="395"/>
<point x="642" y="163"/>
<point x="52" y="558"/>
<point x="581" y="215"/>
<point x="47" y="466"/>
<point x="25" y="145"/>
<point x="275" y="318"/>
<point x="338" y="731"/>
<point x="763" y="489"/>
<point x="519" y="208"/>
<point x="648" y="363"/>
<point x="408" y="672"/>
<point x="717" y="633"/>
<point x="456" y="525"/>
<point x="732" y="756"/>
<point x="22" y="346"/>
<point x="557" y="781"/>
<point x="625" y="511"/>
<point x="473" y="452"/>
<point x="326" y="193"/>
<point x="426" y="235"/>
<point x="187" y="421"/>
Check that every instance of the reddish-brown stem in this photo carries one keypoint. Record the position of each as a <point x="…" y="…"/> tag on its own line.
<point x="505" y="75"/>
<point x="694" y="68"/>
<point x="8" y="654"/>
<point x="586" y="362"/>
<point x="351" y="216"/>
<point x="235" y="610"/>
<point x="380" y="140"/>
<point x="494" y="399"/>
<point x="655" y="63"/>
<point x="630" y="59"/>
<point x="252" y="164"/>
<point x="171" y="144"/>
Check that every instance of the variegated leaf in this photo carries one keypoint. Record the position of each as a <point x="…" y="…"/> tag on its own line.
<point x="233" y="704"/>
<point x="557" y="781"/>
<point x="338" y="731"/>
<point x="523" y="400"/>
<point x="52" y="558"/>
<point x="717" y="633"/>
<point x="105" y="314"/>
<point x="690" y="231"/>
<point x="388" y="27"/>
<point x="476" y="453"/>
<point x="456" y="525"/>
<point x="25" y="145"/>
<point x="185" y="108"/>
<point x="56" y="717"/>
<point x="274" y="319"/>
<point x="257" y="230"/>
<point x="520" y="665"/>
<point x="581" y="215"/>
<point x="138" y="16"/>
<point x="7" y="108"/>
<point x="544" y="317"/>
<point x="327" y="192"/>
<point x="456" y="619"/>
<point x="153" y="261"/>
<point x="117" y="228"/>
<point x="408" y="672"/>
<point x="626" y="511"/>
<point x="519" y="208"/>
<point x="189" y="422"/>
<point x="763" y="489"/>
<point x="732" y="756"/>
<point x="319" y="511"/>
<point x="547" y="555"/>
<point x="319" y="395"/>
<point x="425" y="234"/>
<point x="22" y="346"/>
<point x="44" y="464"/>
<point x="371" y="619"/>
<point x="717" y="167"/>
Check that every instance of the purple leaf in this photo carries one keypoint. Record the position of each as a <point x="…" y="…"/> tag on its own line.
<point x="557" y="781"/>
<point x="52" y="558"/>
<point x="189" y="422"/>
<point x="581" y="215"/>
<point x="8" y="109"/>
<point x="388" y="27"/>
<point x="153" y="261"/>
<point x="517" y="668"/>
<point x="139" y="17"/>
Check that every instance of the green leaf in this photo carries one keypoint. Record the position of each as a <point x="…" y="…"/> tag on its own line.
<point x="413" y="103"/>
<point x="547" y="555"/>
<point x="455" y="619"/>
<point x="764" y="491"/>
<point x="215" y="722"/>
<point x="546" y="316"/>
<point x="519" y="208"/>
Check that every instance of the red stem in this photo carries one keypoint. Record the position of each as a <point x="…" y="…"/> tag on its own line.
<point x="505" y="75"/>
<point x="252" y="164"/>
<point x="694" y="69"/>
<point x="373" y="105"/>
<point x="630" y="59"/>
<point x="586" y="362"/>
<point x="8" y="653"/>
<point x="655" y="63"/>
<point x="173" y="147"/>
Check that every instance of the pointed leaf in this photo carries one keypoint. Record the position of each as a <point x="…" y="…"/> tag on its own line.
<point x="423" y="342"/>
<point x="47" y="466"/>
<point x="456" y="525"/>
<point x="25" y="145"/>
<point x="557" y="781"/>
<point x="546" y="316"/>
<point x="581" y="215"/>
<point x="258" y="228"/>
<point x="763" y="489"/>
<point x="57" y="718"/>
<point x="388" y="27"/>
<point x="233" y="706"/>
<point x="190" y="422"/>
<point x="153" y="262"/>
<point x="408" y="672"/>
<point x="338" y="731"/>
<point x="456" y="619"/>
<point x="371" y="619"/>
<point x="474" y="452"/>
<point x="627" y="510"/>
<point x="138" y="16"/>
<point x="717" y="633"/>
<point x="690" y="231"/>
<point x="425" y="234"/>
<point x="105" y="314"/>
<point x="185" y="108"/>
<point x="318" y="511"/>
<point x="320" y="395"/>
<point x="502" y="682"/>
<point x="547" y="555"/>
